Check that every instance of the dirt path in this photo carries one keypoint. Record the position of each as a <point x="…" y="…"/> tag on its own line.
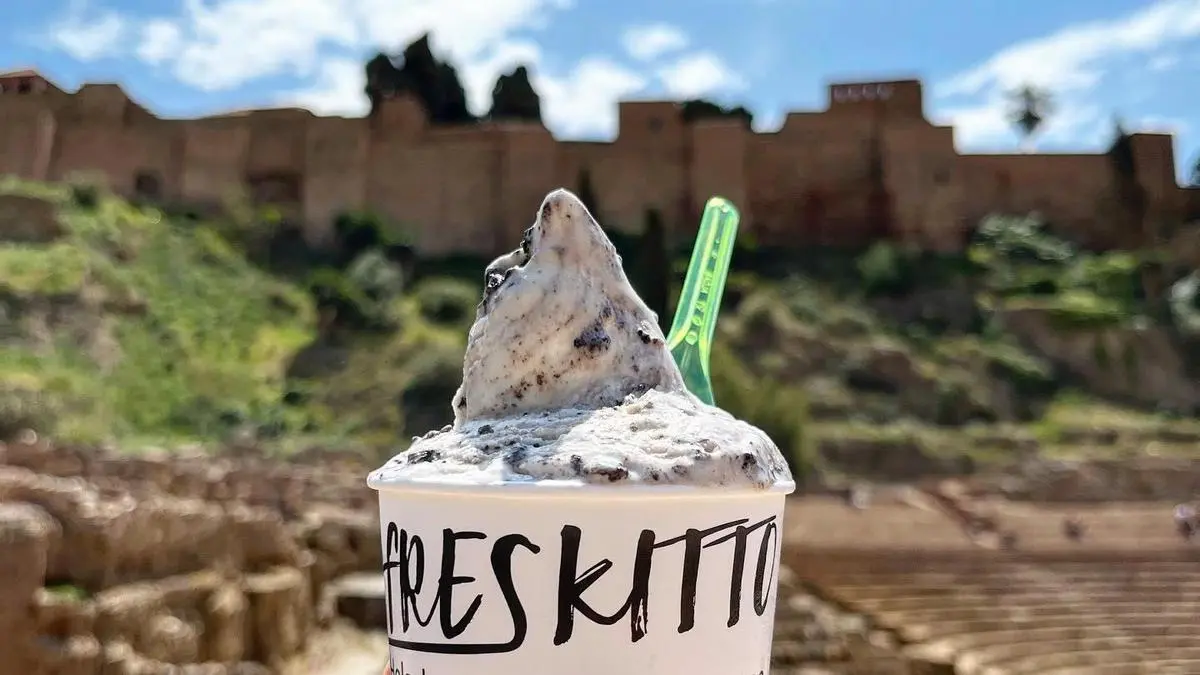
<point x="343" y="650"/>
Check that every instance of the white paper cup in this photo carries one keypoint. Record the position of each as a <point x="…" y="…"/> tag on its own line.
<point x="544" y="579"/>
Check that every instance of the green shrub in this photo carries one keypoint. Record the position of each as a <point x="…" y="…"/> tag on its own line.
<point x="1031" y="377"/>
<point x="1184" y="301"/>
<point x="779" y="410"/>
<point x="351" y="306"/>
<point x="356" y="232"/>
<point x="447" y="302"/>
<point x="1082" y="310"/>
<point x="378" y="278"/>
<point x="426" y="398"/>
<point x="884" y="270"/>
<point x="24" y="408"/>
<point x="85" y="192"/>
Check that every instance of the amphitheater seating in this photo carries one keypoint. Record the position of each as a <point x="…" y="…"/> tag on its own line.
<point x="1109" y="526"/>
<point x="896" y="521"/>
<point x="1124" y="600"/>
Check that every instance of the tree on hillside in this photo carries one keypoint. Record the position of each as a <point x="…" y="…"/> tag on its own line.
<point x="1132" y="203"/>
<point x="656" y="267"/>
<point x="879" y="202"/>
<point x="698" y="109"/>
<point x="514" y="98"/>
<point x="1030" y="106"/>
<point x="587" y="193"/>
<point x="380" y="74"/>
<point x="1193" y="179"/>
<point x="433" y="82"/>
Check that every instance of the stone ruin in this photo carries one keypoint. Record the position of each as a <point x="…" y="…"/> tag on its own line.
<point x="195" y="564"/>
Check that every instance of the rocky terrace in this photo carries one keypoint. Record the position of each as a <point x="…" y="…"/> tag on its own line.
<point x="213" y="564"/>
<point x="153" y="564"/>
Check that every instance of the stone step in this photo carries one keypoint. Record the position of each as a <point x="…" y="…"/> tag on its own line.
<point x="980" y="660"/>
<point x="1159" y="667"/>
<point x="1017" y="635"/>
<point x="951" y="580"/>
<point x="1034" y="665"/>
<point x="1132" y="624"/>
<point x="1058" y="608"/>
<point x="361" y="599"/>
<point x="1015" y="599"/>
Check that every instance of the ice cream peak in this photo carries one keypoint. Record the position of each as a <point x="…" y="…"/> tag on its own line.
<point x="567" y="380"/>
<point x="560" y="326"/>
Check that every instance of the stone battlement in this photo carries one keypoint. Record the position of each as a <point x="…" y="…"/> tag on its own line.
<point x="869" y="166"/>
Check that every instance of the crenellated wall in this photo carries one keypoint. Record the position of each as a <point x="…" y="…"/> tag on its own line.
<point x="869" y="166"/>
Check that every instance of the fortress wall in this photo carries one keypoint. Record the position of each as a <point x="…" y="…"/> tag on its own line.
<point x="115" y="153"/>
<point x="27" y="136"/>
<point x="336" y="155"/>
<point x="575" y="157"/>
<point x="400" y="119"/>
<point x="1154" y="156"/>
<point x="646" y="167"/>
<point x="894" y="100"/>
<point x="403" y="177"/>
<point x="470" y="202"/>
<point x="807" y="182"/>
<point x="214" y="159"/>
<point x="718" y="167"/>
<point x="776" y="187"/>
<point x="444" y="187"/>
<point x="925" y="184"/>
<point x="404" y="184"/>
<point x="473" y="189"/>
<point x="278" y="142"/>
<point x="1069" y="189"/>
<point x="529" y="161"/>
<point x="96" y="104"/>
<point x="1189" y="201"/>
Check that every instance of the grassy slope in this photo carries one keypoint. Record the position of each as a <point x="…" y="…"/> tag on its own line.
<point x="169" y="334"/>
<point x="180" y="334"/>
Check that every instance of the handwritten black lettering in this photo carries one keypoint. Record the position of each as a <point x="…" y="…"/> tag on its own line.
<point x="411" y="563"/>
<point x="401" y="670"/>
<point x="762" y="587"/>
<point x="405" y="567"/>
<point x="571" y="586"/>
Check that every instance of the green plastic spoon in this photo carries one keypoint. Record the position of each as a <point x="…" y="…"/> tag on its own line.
<point x="690" y="340"/>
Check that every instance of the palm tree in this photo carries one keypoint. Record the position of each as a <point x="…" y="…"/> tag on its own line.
<point x="1030" y="106"/>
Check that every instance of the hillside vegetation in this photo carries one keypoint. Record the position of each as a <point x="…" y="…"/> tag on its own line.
<point x="124" y="324"/>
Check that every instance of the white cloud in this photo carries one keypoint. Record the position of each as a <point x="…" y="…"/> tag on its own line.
<point x="158" y="41"/>
<point x="1075" y="57"/>
<point x="1163" y="125"/>
<point x="1069" y="64"/>
<point x="338" y="90"/>
<point x="698" y="74"/>
<point x="87" y="38"/>
<point x="1163" y="62"/>
<point x="577" y="102"/>
<point x="223" y="44"/>
<point x="216" y="45"/>
<point x="987" y="125"/>
<point x="479" y="74"/>
<point x="649" y="42"/>
<point x="769" y="120"/>
<point x="583" y="102"/>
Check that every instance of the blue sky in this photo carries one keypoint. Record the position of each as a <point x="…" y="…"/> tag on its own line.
<point x="1138" y="59"/>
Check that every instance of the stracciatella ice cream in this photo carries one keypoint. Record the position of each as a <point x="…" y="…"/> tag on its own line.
<point x="567" y="378"/>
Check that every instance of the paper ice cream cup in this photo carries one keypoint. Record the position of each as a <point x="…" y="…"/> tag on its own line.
<point x="549" y="579"/>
